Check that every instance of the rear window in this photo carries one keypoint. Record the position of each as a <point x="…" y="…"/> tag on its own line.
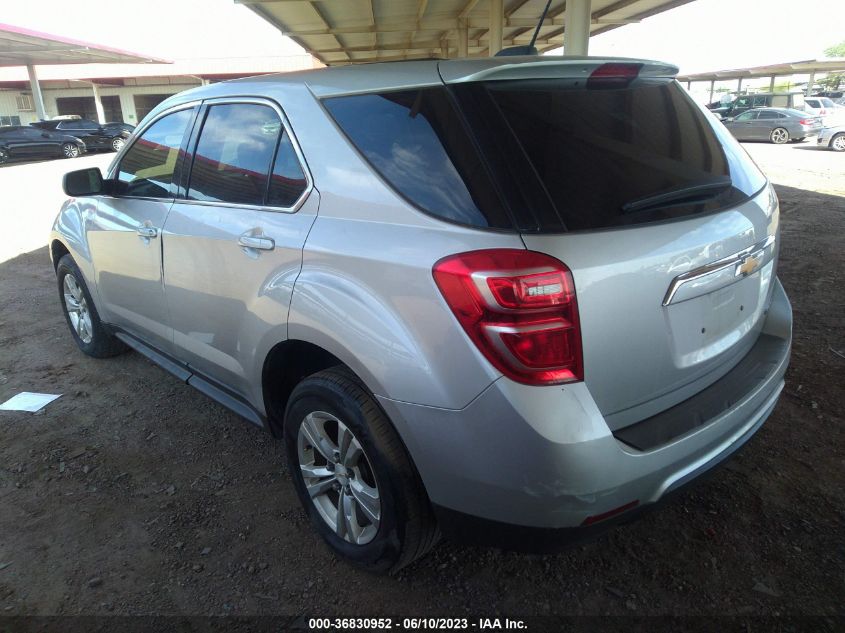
<point x="549" y="155"/>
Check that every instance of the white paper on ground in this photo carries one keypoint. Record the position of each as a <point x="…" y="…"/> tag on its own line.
<point x="28" y="401"/>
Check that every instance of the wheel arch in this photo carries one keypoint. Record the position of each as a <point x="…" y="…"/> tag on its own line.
<point x="285" y="365"/>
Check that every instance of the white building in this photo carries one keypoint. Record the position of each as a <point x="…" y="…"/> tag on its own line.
<point x="127" y="91"/>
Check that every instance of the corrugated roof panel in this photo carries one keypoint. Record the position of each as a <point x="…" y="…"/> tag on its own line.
<point x="340" y="31"/>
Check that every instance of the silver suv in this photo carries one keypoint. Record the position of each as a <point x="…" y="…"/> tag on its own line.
<point x="510" y="300"/>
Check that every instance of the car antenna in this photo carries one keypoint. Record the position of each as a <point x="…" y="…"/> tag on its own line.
<point x="530" y="49"/>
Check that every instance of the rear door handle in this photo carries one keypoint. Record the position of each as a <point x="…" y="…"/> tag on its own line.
<point x="258" y="243"/>
<point x="147" y="231"/>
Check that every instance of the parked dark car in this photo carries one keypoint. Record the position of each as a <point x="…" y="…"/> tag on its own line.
<point x="21" y="142"/>
<point x="127" y="127"/>
<point x="96" y="136"/>
<point x="744" y="103"/>
<point x="778" y="125"/>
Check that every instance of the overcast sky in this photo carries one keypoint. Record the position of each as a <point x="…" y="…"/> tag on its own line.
<point x="703" y="35"/>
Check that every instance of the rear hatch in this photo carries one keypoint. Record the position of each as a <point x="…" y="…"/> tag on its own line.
<point x="666" y="224"/>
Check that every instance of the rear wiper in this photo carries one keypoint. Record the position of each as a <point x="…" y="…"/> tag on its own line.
<point x="693" y="193"/>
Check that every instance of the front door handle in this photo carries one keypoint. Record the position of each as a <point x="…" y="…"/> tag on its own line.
<point x="258" y="243"/>
<point x="147" y="231"/>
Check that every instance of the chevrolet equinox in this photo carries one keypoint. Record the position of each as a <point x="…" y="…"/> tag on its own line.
<point x="511" y="300"/>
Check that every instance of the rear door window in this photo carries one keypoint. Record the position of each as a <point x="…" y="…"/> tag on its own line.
<point x="234" y="154"/>
<point x="287" y="181"/>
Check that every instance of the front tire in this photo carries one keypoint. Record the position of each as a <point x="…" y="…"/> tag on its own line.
<point x="4" y="156"/>
<point x="353" y="474"/>
<point x="779" y="136"/>
<point x="117" y="143"/>
<point x="70" y="150"/>
<point x="837" y="143"/>
<point x="82" y="318"/>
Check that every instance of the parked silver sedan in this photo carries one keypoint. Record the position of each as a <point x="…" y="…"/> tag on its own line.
<point x="833" y="137"/>
<point x="777" y="125"/>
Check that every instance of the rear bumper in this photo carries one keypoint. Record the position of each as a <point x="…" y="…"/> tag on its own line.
<point x="544" y="459"/>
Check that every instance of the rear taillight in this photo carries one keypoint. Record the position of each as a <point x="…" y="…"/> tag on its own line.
<point x="519" y="309"/>
<point x="613" y="75"/>
<point x="807" y="121"/>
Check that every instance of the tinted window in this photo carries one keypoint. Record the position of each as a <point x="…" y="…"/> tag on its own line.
<point x="606" y="156"/>
<point x="743" y="102"/>
<point x="288" y="180"/>
<point x="760" y="101"/>
<point x="234" y="154"/>
<point x="767" y="114"/>
<point x="417" y="142"/>
<point x="147" y="168"/>
<point x="747" y="116"/>
<point x="812" y="103"/>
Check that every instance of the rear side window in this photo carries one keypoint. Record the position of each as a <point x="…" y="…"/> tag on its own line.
<point x="234" y="154"/>
<point x="418" y="143"/>
<point x="147" y="168"/>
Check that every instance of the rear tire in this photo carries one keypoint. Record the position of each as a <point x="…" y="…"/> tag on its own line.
<point x="70" y="150"/>
<point x="4" y="156"/>
<point x="837" y="143"/>
<point x="91" y="336"/>
<point x="779" y="136"/>
<point x="393" y="525"/>
<point x="117" y="143"/>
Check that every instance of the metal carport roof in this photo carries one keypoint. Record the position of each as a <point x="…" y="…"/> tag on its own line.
<point x="810" y="66"/>
<point x="347" y="31"/>
<point x="24" y="47"/>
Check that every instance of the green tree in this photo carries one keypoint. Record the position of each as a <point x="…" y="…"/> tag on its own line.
<point x="834" y="80"/>
<point x="835" y="51"/>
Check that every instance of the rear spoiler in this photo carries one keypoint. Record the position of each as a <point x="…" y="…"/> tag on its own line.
<point x="546" y="67"/>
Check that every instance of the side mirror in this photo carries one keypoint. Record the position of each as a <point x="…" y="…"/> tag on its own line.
<point x="83" y="182"/>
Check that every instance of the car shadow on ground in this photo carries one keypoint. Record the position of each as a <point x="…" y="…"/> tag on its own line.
<point x="134" y="493"/>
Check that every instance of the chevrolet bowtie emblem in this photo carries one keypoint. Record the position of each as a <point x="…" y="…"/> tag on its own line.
<point x="748" y="264"/>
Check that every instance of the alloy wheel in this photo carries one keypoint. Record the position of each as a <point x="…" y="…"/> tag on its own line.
<point x="338" y="477"/>
<point x="838" y="143"/>
<point x="70" y="150"/>
<point x="779" y="135"/>
<point x="117" y="144"/>
<point x="77" y="309"/>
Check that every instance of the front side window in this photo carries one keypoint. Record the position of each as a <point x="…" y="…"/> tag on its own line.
<point x="743" y="102"/>
<point x="147" y="168"/>
<point x="234" y="154"/>
<point x="747" y="116"/>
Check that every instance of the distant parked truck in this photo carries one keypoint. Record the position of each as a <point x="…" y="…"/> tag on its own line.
<point x="793" y="100"/>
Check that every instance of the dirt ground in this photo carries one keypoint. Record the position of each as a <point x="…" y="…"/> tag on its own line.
<point x="135" y="494"/>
